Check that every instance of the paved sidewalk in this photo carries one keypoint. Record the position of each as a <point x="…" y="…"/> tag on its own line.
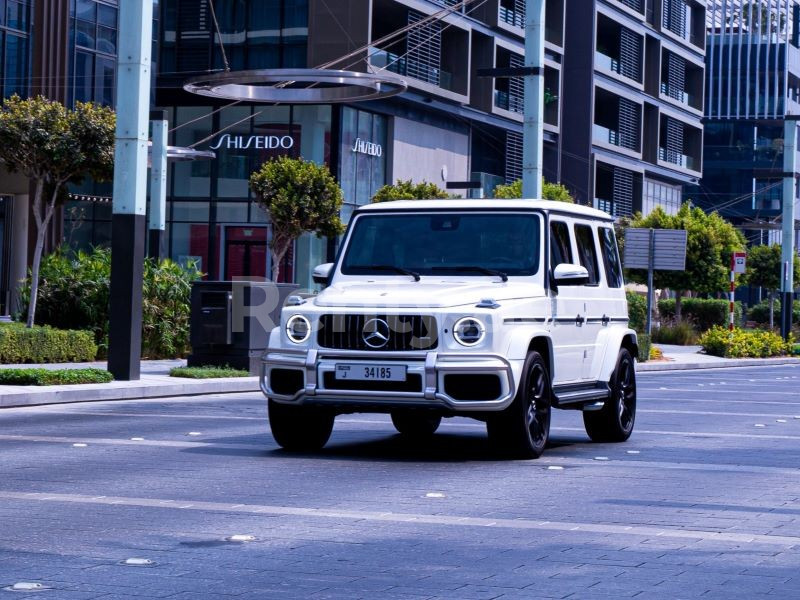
<point x="681" y="358"/>
<point x="155" y="382"/>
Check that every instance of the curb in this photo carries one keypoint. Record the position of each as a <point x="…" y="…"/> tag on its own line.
<point x="726" y="363"/>
<point x="26" y="396"/>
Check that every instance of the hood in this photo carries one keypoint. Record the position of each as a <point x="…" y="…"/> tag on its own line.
<point x="423" y="294"/>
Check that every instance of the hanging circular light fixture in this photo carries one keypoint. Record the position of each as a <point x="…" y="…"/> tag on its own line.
<point x="297" y="86"/>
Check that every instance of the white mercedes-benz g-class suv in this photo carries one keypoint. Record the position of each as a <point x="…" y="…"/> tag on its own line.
<point x="497" y="310"/>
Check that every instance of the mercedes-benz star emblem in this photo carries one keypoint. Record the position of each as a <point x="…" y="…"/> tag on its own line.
<point x="375" y="333"/>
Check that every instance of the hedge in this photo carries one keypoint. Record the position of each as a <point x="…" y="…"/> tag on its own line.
<point x="645" y="345"/>
<point x="704" y="313"/>
<point x="18" y="344"/>
<point x="53" y="377"/>
<point x="207" y="372"/>
<point x="760" y="312"/>
<point x="637" y="311"/>
<point x="741" y="343"/>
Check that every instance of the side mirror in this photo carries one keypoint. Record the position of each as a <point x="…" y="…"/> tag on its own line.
<point x="567" y="274"/>
<point x="321" y="273"/>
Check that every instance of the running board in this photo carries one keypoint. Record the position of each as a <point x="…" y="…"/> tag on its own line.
<point x="589" y="396"/>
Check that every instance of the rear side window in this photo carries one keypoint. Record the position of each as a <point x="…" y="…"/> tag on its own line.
<point x="608" y="248"/>
<point x="560" y="248"/>
<point x="587" y="252"/>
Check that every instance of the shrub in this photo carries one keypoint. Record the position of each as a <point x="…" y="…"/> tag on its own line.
<point x="53" y="377"/>
<point x="74" y="292"/>
<point x="680" y="333"/>
<point x="760" y="312"/>
<point x="704" y="313"/>
<point x="741" y="343"/>
<point x="644" y="347"/>
<point x="19" y="344"/>
<point x="207" y="372"/>
<point x="637" y="311"/>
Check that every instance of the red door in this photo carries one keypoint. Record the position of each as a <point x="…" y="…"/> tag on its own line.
<point x="245" y="252"/>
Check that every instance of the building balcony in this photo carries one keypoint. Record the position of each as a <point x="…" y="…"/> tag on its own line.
<point x="511" y="13"/>
<point x="410" y="68"/>
<point x="617" y="122"/>
<point x="676" y="158"/>
<point x="510" y="102"/>
<point x="605" y="135"/>
<point x="690" y="100"/>
<point x="618" y="50"/>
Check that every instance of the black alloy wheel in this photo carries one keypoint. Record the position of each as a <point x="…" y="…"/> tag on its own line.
<point x="614" y="422"/>
<point x="523" y="429"/>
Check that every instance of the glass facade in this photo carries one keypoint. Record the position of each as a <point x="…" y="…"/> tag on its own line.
<point x="15" y="30"/>
<point x="257" y="34"/>
<point x="655" y="193"/>
<point x="93" y="51"/>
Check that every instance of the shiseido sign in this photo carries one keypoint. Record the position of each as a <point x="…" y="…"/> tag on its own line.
<point x="255" y="142"/>
<point x="369" y="148"/>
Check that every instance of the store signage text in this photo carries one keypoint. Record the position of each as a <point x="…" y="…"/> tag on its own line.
<point x="257" y="142"/>
<point x="368" y="148"/>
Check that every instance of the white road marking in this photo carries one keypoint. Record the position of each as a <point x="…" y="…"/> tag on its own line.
<point x="422" y="519"/>
<point x="706" y="412"/>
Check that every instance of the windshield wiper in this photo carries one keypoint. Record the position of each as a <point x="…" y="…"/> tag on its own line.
<point x="475" y="269"/>
<point x="400" y="270"/>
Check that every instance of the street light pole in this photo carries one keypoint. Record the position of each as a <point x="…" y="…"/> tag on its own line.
<point x="787" y="236"/>
<point x="533" y="130"/>
<point x="130" y="188"/>
<point x="158" y="183"/>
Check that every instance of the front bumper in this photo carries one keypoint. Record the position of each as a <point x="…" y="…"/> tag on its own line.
<point x="431" y="367"/>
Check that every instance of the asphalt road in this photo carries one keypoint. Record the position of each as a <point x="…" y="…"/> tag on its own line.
<point x="702" y="502"/>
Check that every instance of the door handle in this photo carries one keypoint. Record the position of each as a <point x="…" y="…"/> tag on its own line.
<point x="605" y="320"/>
<point x="580" y="320"/>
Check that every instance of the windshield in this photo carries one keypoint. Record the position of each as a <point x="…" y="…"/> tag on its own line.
<point x="478" y="244"/>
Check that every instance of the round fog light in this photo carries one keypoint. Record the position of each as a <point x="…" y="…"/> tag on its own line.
<point x="298" y="329"/>
<point x="469" y="331"/>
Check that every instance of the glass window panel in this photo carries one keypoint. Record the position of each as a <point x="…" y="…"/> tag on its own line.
<point x="84" y="76"/>
<point x="312" y="125"/>
<point x="189" y="243"/>
<point x="608" y="245"/>
<point x="190" y="211"/>
<point x="192" y="179"/>
<point x="234" y="148"/>
<point x="85" y="34"/>
<point x="560" y="248"/>
<point x="17" y="15"/>
<point x="107" y="15"/>
<point x="107" y="40"/>
<point x="231" y="212"/>
<point x="347" y="174"/>
<point x="16" y="58"/>
<point x="362" y="162"/>
<point x="104" y="82"/>
<point x="86" y="10"/>
<point x="587" y="252"/>
<point x="3" y="12"/>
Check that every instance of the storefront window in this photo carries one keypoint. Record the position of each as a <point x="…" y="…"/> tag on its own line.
<point x="233" y="148"/>
<point x="363" y="160"/>
<point x="192" y="179"/>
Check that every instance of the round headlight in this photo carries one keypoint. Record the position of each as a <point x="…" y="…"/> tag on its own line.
<point x="298" y="329"/>
<point x="469" y="331"/>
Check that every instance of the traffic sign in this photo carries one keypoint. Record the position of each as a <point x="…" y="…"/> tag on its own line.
<point x="739" y="262"/>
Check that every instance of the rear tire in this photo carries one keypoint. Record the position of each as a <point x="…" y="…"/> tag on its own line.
<point x="614" y="422"/>
<point x="416" y="425"/>
<point x="299" y="428"/>
<point x="523" y="429"/>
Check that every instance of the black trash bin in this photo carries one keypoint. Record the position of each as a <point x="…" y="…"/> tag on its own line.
<point x="231" y="321"/>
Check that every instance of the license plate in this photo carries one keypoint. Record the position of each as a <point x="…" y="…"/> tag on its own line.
<point x="371" y="372"/>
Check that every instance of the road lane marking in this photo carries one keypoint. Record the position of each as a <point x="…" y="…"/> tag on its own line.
<point x="713" y="401"/>
<point x="708" y="412"/>
<point x="418" y="518"/>
<point x="715" y="391"/>
<point x="118" y="442"/>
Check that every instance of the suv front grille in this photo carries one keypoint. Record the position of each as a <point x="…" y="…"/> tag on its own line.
<point x="351" y="332"/>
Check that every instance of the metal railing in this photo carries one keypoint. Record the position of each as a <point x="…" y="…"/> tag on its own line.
<point x="402" y="65"/>
<point x="676" y="158"/>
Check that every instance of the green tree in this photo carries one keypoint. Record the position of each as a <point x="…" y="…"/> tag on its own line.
<point x="300" y="196"/>
<point x="54" y="146"/>
<point x="764" y="269"/>
<point x="408" y="190"/>
<point x="711" y="241"/>
<point x="550" y="191"/>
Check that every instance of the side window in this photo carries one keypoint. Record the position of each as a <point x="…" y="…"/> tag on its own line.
<point x="560" y="248"/>
<point x="587" y="252"/>
<point x="608" y="248"/>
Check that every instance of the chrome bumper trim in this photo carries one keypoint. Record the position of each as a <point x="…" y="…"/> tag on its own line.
<point x="431" y="365"/>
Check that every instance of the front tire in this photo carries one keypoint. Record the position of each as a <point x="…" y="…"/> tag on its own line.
<point x="523" y="429"/>
<point x="614" y="422"/>
<point x="299" y="428"/>
<point x="415" y="425"/>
